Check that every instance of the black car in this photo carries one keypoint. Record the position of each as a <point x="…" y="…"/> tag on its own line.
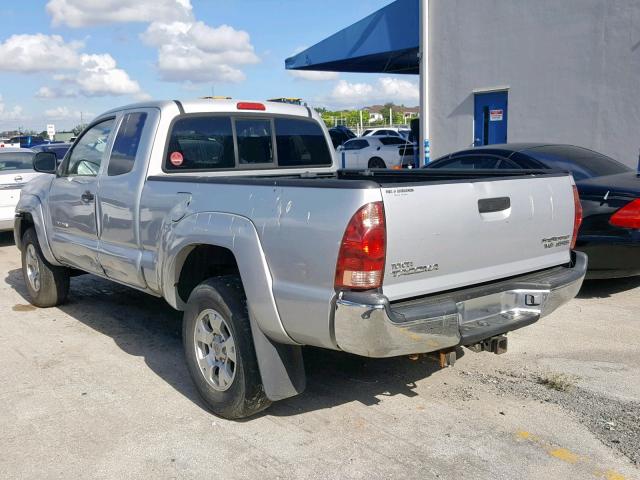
<point x="340" y="134"/>
<point x="609" y="193"/>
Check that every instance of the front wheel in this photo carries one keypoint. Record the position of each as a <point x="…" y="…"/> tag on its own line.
<point x="48" y="285"/>
<point x="219" y="350"/>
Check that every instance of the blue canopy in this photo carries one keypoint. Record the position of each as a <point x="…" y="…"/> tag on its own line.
<point x="384" y="42"/>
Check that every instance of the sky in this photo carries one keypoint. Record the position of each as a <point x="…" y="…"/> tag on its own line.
<point x="63" y="58"/>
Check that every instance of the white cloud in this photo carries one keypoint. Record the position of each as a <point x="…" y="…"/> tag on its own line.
<point x="197" y="52"/>
<point x="99" y="75"/>
<point x="314" y="76"/>
<point x="82" y="13"/>
<point x="85" y="74"/>
<point x="65" y="113"/>
<point x="96" y="75"/>
<point x="13" y="114"/>
<point x="38" y="53"/>
<point x="55" y="92"/>
<point x="386" y="89"/>
<point x="58" y="113"/>
<point x="142" y="97"/>
<point x="10" y="117"/>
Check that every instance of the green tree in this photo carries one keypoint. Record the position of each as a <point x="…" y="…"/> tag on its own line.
<point x="77" y="129"/>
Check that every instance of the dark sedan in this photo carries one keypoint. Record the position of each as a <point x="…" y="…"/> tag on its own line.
<point x="609" y="193"/>
<point x="60" y="149"/>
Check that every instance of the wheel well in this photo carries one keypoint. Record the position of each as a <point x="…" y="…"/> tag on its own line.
<point x="376" y="158"/>
<point x="202" y="262"/>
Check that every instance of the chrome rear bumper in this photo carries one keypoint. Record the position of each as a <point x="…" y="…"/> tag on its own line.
<point x="367" y="324"/>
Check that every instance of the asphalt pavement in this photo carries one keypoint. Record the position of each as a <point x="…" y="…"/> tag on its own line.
<point x="97" y="388"/>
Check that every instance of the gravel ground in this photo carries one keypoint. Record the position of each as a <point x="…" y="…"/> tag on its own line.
<point x="97" y="388"/>
<point x="615" y="422"/>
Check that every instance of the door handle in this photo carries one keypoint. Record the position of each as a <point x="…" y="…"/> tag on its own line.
<point x="87" y="196"/>
<point x="491" y="205"/>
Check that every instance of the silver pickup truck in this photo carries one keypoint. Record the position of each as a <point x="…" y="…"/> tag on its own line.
<point x="236" y="213"/>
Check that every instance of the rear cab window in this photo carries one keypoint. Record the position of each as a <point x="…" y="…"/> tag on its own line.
<point x="255" y="141"/>
<point x="218" y="142"/>
<point x="16" y="161"/>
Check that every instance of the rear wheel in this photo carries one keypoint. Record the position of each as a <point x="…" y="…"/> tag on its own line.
<point x="219" y="349"/>
<point x="377" y="162"/>
<point x="48" y="285"/>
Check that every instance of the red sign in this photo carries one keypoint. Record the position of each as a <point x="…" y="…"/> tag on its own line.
<point x="495" y="115"/>
<point x="176" y="159"/>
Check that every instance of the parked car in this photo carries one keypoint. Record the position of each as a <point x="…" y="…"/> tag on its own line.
<point x="237" y="214"/>
<point x="339" y="135"/>
<point x="60" y="149"/>
<point x="16" y="169"/>
<point x="387" y="132"/>
<point x="377" y="152"/>
<point x="609" y="192"/>
<point x="28" y="141"/>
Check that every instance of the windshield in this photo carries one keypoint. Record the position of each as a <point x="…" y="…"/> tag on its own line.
<point x="581" y="162"/>
<point x="16" y="161"/>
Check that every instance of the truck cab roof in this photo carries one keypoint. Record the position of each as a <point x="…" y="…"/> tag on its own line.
<point x="223" y="106"/>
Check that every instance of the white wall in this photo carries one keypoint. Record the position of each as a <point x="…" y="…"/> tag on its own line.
<point x="572" y="67"/>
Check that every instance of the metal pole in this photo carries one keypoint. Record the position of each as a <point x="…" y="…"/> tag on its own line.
<point x="424" y="79"/>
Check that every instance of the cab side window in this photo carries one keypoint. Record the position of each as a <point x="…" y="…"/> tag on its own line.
<point x="125" y="145"/>
<point x="87" y="153"/>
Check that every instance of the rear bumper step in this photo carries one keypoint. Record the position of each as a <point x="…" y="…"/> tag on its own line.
<point x="368" y="324"/>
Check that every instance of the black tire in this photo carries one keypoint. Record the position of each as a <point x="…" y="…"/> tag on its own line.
<point x="52" y="286"/>
<point x="377" y="162"/>
<point x="245" y="394"/>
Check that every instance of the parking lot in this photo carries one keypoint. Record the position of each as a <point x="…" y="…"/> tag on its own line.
<point x="98" y="389"/>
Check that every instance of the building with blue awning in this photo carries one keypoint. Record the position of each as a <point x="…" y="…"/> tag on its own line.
<point x="375" y="44"/>
<point x="544" y="71"/>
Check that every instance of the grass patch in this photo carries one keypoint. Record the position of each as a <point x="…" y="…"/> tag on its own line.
<point x="557" y="381"/>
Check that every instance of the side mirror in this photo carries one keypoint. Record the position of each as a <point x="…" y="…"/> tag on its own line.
<point x="45" y="162"/>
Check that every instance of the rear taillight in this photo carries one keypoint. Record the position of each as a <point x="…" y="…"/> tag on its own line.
<point x="628" y="216"/>
<point x="577" y="217"/>
<point x="362" y="251"/>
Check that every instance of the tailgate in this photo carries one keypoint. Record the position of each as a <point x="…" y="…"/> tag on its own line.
<point x="465" y="232"/>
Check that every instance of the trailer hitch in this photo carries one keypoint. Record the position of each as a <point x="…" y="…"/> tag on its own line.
<point x="497" y="345"/>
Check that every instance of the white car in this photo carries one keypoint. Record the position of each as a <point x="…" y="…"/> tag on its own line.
<point x="16" y="169"/>
<point x="387" y="132"/>
<point x="376" y="152"/>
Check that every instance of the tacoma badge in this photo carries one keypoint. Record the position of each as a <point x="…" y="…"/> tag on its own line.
<point x="407" y="268"/>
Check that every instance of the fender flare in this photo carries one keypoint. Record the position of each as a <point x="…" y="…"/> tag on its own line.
<point x="31" y="205"/>
<point x="279" y="357"/>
